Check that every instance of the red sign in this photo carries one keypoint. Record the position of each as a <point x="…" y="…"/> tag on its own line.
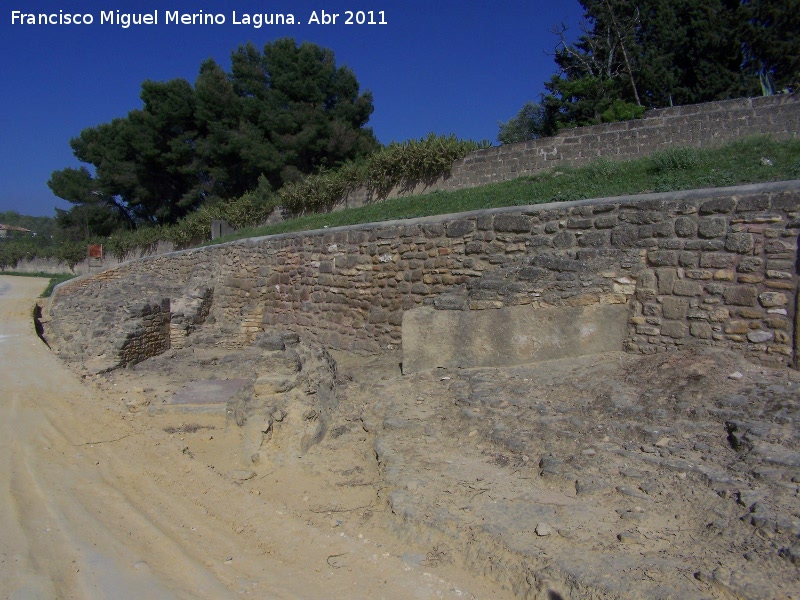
<point x="96" y="251"/>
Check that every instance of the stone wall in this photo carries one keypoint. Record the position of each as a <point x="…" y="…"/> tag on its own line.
<point x="54" y="266"/>
<point x="150" y="335"/>
<point x="697" y="125"/>
<point x="714" y="267"/>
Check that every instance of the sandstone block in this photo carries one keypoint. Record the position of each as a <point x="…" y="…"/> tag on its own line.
<point x="779" y="274"/>
<point x="741" y="243"/>
<point x="740" y="295"/>
<point x="778" y="323"/>
<point x="717" y="261"/>
<point x="717" y="205"/>
<point x="662" y="258"/>
<point x="605" y="222"/>
<point x="674" y="308"/>
<point x="724" y="275"/>
<point x="738" y="327"/>
<point x="674" y="329"/>
<point x="750" y="278"/>
<point x="701" y="331"/>
<point x="513" y="223"/>
<point x="564" y="239"/>
<point x="704" y="245"/>
<point x="687" y="288"/>
<point x="651" y="309"/>
<point x="685" y="227"/>
<point x="690" y="260"/>
<point x="594" y="239"/>
<point x="780" y="285"/>
<point x="753" y="203"/>
<point x="759" y="337"/>
<point x="580" y="223"/>
<point x="770" y="299"/>
<point x="666" y="280"/>
<point x="702" y="274"/>
<point x="782" y="337"/>
<point x="750" y="264"/>
<point x="460" y="228"/>
<point x="377" y="315"/>
<point x="474" y="248"/>
<point x="624" y="236"/>
<point x="647" y="280"/>
<point x="712" y="227"/>
<point x="718" y="315"/>
<point x="450" y="302"/>
<point x="647" y="330"/>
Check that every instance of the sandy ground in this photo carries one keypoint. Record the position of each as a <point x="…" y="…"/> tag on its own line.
<point x="606" y="476"/>
<point x="99" y="500"/>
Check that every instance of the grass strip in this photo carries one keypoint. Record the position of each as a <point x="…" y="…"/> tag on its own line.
<point x="753" y="160"/>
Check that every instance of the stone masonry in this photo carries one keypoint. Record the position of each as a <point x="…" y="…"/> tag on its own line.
<point x="713" y="267"/>
<point x="697" y="125"/>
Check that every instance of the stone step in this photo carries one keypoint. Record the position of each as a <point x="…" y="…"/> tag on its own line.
<point x="208" y="396"/>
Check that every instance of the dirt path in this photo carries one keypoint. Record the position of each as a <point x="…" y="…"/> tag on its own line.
<point x="100" y="502"/>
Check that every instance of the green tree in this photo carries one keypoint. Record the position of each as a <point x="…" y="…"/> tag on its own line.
<point x="94" y="213"/>
<point x="597" y="78"/>
<point x="282" y="113"/>
<point x="772" y="43"/>
<point x="314" y="114"/>
<point x="691" y="51"/>
<point x="530" y="122"/>
<point x="638" y="54"/>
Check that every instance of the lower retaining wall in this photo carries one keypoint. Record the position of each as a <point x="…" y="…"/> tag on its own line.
<point x="715" y="267"/>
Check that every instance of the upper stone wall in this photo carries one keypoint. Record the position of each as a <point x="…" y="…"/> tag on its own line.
<point x="697" y="125"/>
<point x="715" y="267"/>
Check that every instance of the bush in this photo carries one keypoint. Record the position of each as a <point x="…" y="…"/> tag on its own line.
<point x="602" y="168"/>
<point x="676" y="159"/>
<point x="322" y="191"/>
<point x="398" y="164"/>
<point x="249" y="210"/>
<point x="413" y="161"/>
<point x="622" y="111"/>
<point x="70" y="252"/>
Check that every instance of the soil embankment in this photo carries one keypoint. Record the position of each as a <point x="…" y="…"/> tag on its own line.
<point x="99" y="501"/>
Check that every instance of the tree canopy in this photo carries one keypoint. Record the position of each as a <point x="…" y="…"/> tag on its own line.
<point x="633" y="55"/>
<point x="283" y="112"/>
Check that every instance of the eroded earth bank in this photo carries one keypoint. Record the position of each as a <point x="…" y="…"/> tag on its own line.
<point x="283" y="470"/>
<point x="99" y="499"/>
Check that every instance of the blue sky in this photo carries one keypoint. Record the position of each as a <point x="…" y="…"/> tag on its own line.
<point x="436" y="66"/>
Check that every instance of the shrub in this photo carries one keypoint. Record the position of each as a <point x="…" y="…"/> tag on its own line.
<point x="602" y="168"/>
<point x="398" y="164"/>
<point x="676" y="159"/>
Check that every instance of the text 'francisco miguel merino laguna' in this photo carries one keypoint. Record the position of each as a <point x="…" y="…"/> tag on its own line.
<point x="175" y="17"/>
